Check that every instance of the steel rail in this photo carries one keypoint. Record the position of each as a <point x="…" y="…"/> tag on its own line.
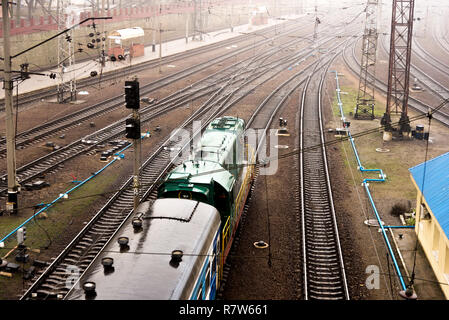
<point x="79" y="145"/>
<point x="220" y="107"/>
<point x="381" y="86"/>
<point x="85" y="82"/>
<point x="323" y="264"/>
<point x="115" y="102"/>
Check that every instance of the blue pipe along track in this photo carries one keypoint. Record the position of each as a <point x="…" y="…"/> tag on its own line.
<point x="365" y="184"/>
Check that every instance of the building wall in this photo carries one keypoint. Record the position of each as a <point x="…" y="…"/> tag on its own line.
<point x="434" y="242"/>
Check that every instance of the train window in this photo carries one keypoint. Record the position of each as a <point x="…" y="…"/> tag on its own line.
<point x="214" y="263"/>
<point x="185" y="194"/>
<point x="207" y="282"/>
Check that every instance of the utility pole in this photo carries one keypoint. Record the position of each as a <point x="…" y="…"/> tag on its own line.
<point x="197" y="20"/>
<point x="317" y="22"/>
<point x="380" y="28"/>
<point x="137" y="158"/>
<point x="132" y="100"/>
<point x="201" y="21"/>
<point x="231" y="17"/>
<point x="103" y="35"/>
<point x="399" y="67"/>
<point x="187" y="28"/>
<point x="365" y="97"/>
<point x="194" y="21"/>
<point x="153" y="32"/>
<point x="13" y="186"/>
<point x="160" y="47"/>
<point x="66" y="56"/>
<point x="425" y="22"/>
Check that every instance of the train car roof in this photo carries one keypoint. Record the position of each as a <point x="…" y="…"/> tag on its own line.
<point x="144" y="271"/>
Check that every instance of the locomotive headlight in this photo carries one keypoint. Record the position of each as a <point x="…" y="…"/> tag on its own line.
<point x="89" y="288"/>
<point x="176" y="255"/>
<point x="123" y="242"/>
<point x="107" y="262"/>
<point x="137" y="223"/>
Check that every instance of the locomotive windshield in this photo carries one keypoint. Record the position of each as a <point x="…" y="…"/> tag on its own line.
<point x="185" y="194"/>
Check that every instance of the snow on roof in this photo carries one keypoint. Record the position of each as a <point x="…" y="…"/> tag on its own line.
<point x="128" y="33"/>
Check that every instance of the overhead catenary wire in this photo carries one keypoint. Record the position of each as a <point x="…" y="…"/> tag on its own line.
<point x="338" y="140"/>
<point x="285" y="155"/>
<point x="422" y="196"/>
<point x="234" y="256"/>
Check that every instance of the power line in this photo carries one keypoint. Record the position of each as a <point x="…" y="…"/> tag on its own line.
<point x="265" y="161"/>
<point x="422" y="196"/>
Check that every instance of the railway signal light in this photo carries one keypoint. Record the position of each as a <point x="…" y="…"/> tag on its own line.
<point x="132" y="95"/>
<point x="21" y="235"/>
<point x="133" y="128"/>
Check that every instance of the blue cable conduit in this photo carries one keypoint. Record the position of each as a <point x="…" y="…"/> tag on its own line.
<point x="382" y="178"/>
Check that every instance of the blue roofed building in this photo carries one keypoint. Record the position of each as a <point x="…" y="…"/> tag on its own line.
<point x="431" y="180"/>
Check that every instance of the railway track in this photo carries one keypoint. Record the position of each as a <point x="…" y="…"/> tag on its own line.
<point x="429" y="58"/>
<point x="28" y="98"/>
<point x="323" y="265"/>
<point x="52" y="282"/>
<point x="427" y="80"/>
<point x="263" y="118"/>
<point x="57" y="158"/>
<point x="45" y="130"/>
<point x="353" y="64"/>
<point x="441" y="41"/>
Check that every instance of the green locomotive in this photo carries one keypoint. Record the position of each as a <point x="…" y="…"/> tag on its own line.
<point x="195" y="217"/>
<point x="216" y="174"/>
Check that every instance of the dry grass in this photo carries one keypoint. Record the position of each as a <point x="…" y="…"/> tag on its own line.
<point x="403" y="154"/>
